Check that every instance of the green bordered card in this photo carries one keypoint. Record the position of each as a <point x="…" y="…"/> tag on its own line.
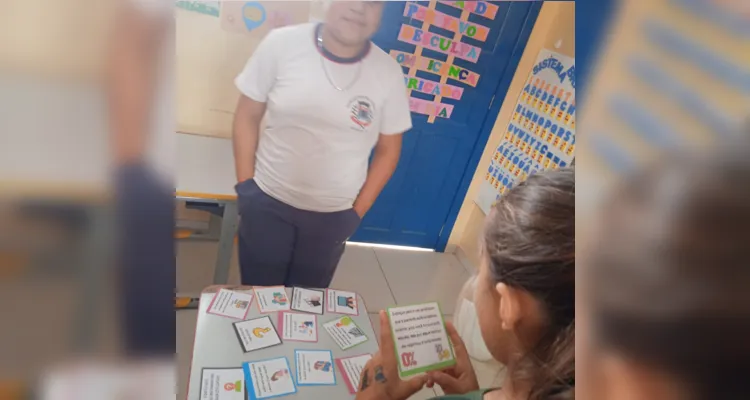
<point x="421" y="341"/>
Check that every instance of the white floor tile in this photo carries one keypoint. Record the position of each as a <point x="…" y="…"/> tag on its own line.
<point x="416" y="277"/>
<point x="359" y="271"/>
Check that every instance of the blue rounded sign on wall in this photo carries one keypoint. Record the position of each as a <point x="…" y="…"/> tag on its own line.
<point x="254" y="14"/>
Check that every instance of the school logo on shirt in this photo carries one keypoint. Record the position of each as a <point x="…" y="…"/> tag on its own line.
<point x="361" y="112"/>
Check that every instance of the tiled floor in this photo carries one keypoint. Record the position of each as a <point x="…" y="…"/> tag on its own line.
<point x="384" y="277"/>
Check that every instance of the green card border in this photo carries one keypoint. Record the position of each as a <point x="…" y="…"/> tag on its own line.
<point x="432" y="367"/>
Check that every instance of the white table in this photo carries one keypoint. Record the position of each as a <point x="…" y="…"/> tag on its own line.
<point x="216" y="346"/>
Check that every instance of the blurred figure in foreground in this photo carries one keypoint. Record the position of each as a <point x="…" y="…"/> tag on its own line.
<point x="667" y="284"/>
<point x="141" y="121"/>
<point x="143" y="134"/>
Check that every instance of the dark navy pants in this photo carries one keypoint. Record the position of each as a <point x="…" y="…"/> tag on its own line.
<point x="145" y="208"/>
<point x="283" y="245"/>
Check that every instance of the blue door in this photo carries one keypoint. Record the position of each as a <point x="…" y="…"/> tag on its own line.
<point x="419" y="205"/>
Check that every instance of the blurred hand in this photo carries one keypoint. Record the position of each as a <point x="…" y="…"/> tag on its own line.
<point x="380" y="378"/>
<point x="461" y="378"/>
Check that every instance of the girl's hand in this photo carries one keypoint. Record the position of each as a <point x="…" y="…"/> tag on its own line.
<point x="461" y="378"/>
<point x="380" y="378"/>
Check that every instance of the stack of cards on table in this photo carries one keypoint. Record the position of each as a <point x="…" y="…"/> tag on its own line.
<point x="297" y="321"/>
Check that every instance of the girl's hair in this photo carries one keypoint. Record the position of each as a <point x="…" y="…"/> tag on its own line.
<point x="670" y="272"/>
<point x="529" y="241"/>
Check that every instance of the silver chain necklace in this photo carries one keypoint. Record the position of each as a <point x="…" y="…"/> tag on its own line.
<point x="325" y="68"/>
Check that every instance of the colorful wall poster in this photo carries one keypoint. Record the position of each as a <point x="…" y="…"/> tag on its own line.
<point x="445" y="21"/>
<point x="442" y="68"/>
<point x="441" y="44"/>
<point x="431" y="108"/>
<point x="431" y="87"/>
<point x="541" y="132"/>
<point x="204" y="7"/>
<point x="483" y="8"/>
<point x="450" y="44"/>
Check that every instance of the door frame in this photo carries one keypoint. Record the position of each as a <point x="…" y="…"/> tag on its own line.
<point x="487" y="125"/>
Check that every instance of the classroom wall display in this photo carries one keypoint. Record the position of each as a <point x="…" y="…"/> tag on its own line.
<point x="541" y="132"/>
<point x="203" y="7"/>
<point x="210" y="51"/>
<point x="453" y="47"/>
<point x="259" y="17"/>
<point x="483" y="8"/>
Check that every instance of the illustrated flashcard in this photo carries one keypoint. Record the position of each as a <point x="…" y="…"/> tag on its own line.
<point x="351" y="369"/>
<point x="222" y="384"/>
<point x="255" y="334"/>
<point x="271" y="299"/>
<point x="314" y="367"/>
<point x="341" y="302"/>
<point x="230" y="303"/>
<point x="268" y="378"/>
<point x="421" y="341"/>
<point x="308" y="300"/>
<point x="345" y="332"/>
<point x="298" y="327"/>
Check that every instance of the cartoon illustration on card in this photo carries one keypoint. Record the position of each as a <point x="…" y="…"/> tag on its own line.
<point x="271" y="299"/>
<point x="345" y="332"/>
<point x="298" y="327"/>
<point x="314" y="367"/>
<point x="420" y="337"/>
<point x="255" y="334"/>
<point x="341" y="302"/>
<point x="222" y="384"/>
<point x="230" y="303"/>
<point x="279" y="298"/>
<point x="280" y="374"/>
<point x="308" y="300"/>
<point x="268" y="378"/>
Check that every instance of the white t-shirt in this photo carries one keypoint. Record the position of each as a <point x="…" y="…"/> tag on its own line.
<point x="313" y="153"/>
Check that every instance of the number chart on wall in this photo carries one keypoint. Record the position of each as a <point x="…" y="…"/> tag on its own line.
<point x="453" y="48"/>
<point x="541" y="132"/>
